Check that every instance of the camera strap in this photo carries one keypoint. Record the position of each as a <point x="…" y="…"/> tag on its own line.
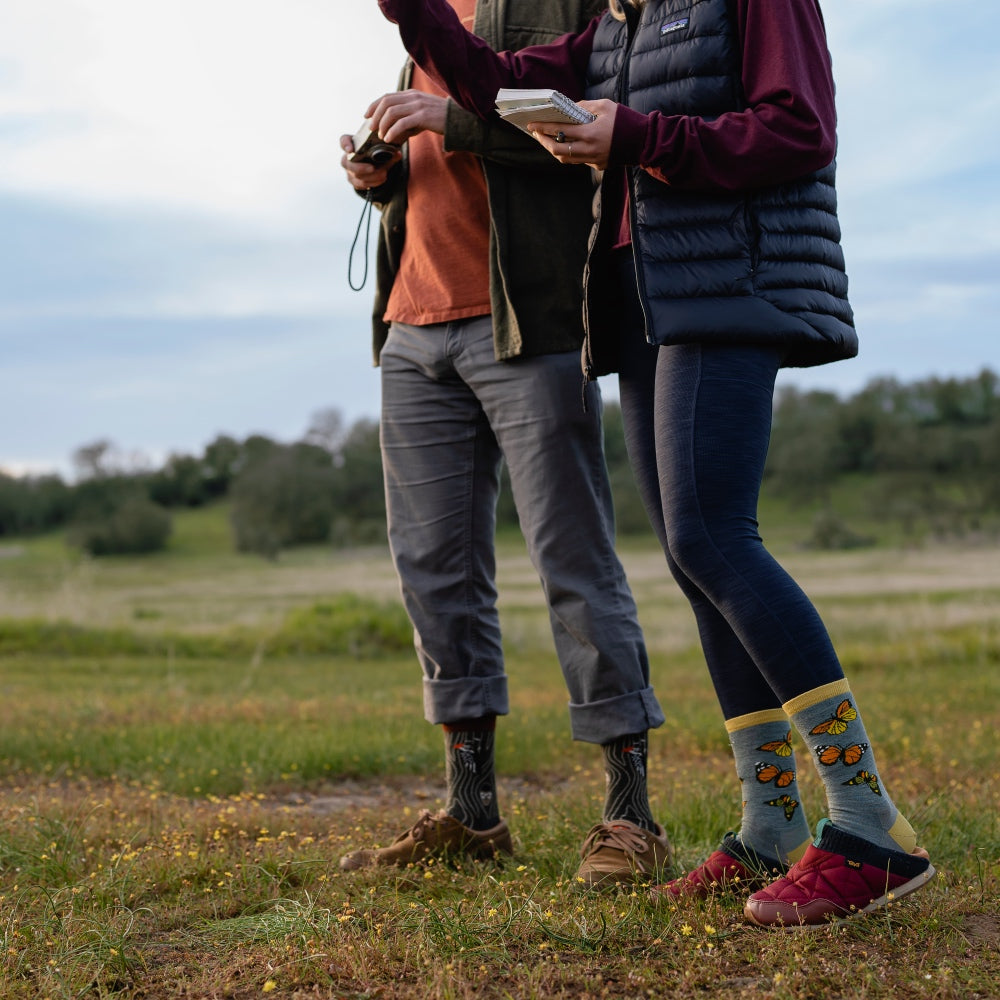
<point x="366" y="221"/>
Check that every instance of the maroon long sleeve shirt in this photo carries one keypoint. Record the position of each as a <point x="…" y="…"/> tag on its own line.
<point x="787" y="130"/>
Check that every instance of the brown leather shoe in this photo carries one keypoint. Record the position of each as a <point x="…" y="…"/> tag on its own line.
<point x="621" y="853"/>
<point x="433" y="835"/>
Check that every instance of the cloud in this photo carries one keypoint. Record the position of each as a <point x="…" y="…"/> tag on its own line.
<point x="77" y="260"/>
<point x="159" y="331"/>
<point x="917" y="86"/>
<point x="172" y="385"/>
<point x="233" y="107"/>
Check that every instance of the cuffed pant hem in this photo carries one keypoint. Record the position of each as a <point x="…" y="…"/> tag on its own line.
<point x="604" y="721"/>
<point x="447" y="701"/>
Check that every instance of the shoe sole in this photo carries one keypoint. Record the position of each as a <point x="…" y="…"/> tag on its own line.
<point x="495" y="852"/>
<point x="621" y="878"/>
<point x="726" y="887"/>
<point x="876" y="904"/>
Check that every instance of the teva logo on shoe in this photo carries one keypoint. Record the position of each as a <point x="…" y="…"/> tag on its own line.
<point x="672" y="26"/>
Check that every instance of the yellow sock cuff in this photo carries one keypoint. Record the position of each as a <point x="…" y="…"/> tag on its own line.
<point x="796" y="854"/>
<point x="755" y="719"/>
<point x="809" y="698"/>
<point x="903" y="834"/>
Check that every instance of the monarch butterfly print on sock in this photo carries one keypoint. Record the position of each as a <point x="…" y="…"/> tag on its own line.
<point x="787" y="803"/>
<point x="837" y="723"/>
<point x="783" y="748"/>
<point x="767" y="773"/>
<point x="830" y="754"/>
<point x="865" y="778"/>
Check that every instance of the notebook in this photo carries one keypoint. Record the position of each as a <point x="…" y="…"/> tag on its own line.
<point x="519" y="107"/>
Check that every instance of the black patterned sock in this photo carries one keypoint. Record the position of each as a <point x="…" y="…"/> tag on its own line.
<point x="471" y="772"/>
<point x="625" y="768"/>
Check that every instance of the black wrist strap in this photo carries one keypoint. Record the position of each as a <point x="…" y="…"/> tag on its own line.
<point x="366" y="221"/>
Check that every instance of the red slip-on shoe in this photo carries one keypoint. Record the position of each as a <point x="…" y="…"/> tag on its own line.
<point x="840" y="876"/>
<point x="731" y="868"/>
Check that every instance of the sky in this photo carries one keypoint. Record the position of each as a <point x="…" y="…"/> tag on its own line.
<point x="175" y="227"/>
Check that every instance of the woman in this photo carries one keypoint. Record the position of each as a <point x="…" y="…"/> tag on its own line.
<point x="714" y="261"/>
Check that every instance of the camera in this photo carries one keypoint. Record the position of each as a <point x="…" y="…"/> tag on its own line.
<point x="369" y="148"/>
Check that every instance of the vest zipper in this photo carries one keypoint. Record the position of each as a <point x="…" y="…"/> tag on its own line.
<point x="632" y="17"/>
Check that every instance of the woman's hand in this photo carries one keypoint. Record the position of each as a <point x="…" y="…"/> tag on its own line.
<point x="590" y="143"/>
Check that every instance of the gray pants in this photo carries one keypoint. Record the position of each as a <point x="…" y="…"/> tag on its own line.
<point x="450" y="412"/>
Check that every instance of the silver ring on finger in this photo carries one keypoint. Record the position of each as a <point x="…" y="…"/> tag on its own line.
<point x="560" y="136"/>
<point x="569" y="150"/>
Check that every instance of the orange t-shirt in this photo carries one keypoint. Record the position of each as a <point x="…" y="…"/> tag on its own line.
<point x="444" y="268"/>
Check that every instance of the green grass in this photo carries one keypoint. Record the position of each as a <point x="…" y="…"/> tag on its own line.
<point x="190" y="741"/>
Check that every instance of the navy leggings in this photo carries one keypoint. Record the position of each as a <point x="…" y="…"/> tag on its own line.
<point x="697" y="425"/>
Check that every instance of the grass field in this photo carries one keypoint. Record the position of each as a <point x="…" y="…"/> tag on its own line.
<point x="190" y="741"/>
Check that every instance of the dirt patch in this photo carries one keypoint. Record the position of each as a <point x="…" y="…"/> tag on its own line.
<point x="343" y="796"/>
<point x="332" y="798"/>
<point x="982" y="929"/>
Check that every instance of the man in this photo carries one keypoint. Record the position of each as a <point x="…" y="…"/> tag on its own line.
<point x="478" y="331"/>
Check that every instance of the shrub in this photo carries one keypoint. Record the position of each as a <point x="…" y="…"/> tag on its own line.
<point x="283" y="498"/>
<point x="131" y="525"/>
<point x="347" y="624"/>
<point x="830" y="532"/>
<point x="32" y="504"/>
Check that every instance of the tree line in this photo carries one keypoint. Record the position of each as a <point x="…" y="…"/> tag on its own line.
<point x="326" y="487"/>
<point x="928" y="452"/>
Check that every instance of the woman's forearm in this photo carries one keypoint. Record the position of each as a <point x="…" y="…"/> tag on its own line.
<point x="470" y="70"/>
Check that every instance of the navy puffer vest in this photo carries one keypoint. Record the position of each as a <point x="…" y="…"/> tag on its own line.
<point x="764" y="266"/>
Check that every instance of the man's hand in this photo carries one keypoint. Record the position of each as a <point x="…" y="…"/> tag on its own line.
<point x="402" y="114"/>
<point x="364" y="176"/>
<point x="590" y="143"/>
